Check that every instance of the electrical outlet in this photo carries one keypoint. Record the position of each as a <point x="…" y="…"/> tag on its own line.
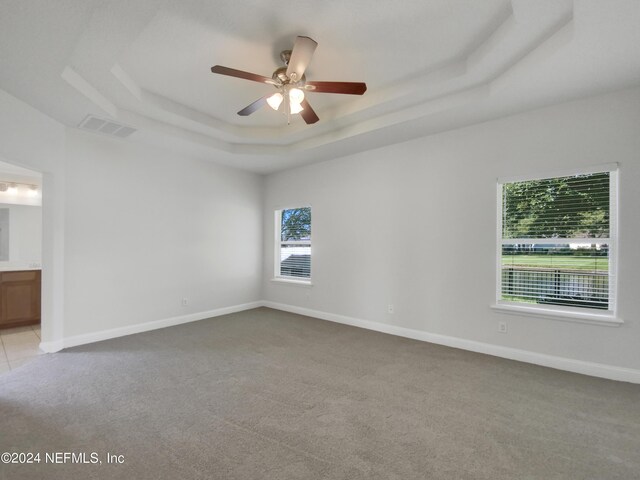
<point x="390" y="308"/>
<point x="185" y="302"/>
<point x="502" y="327"/>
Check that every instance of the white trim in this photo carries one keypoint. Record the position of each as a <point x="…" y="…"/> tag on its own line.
<point x="277" y="238"/>
<point x="573" y="315"/>
<point x="499" y="244"/>
<point x="601" y="370"/>
<point x="55" y="346"/>
<point x="556" y="241"/>
<point x="294" y="206"/>
<point x="613" y="233"/>
<point x="292" y="281"/>
<point x="51" y="347"/>
<point x="607" y="167"/>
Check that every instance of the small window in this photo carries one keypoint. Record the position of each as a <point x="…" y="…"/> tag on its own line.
<point x="293" y="243"/>
<point x="557" y="241"/>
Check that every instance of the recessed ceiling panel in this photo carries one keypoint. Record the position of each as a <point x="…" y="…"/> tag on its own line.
<point x="374" y="42"/>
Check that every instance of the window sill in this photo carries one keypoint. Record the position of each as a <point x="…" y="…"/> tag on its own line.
<point x="292" y="281"/>
<point x="557" y="314"/>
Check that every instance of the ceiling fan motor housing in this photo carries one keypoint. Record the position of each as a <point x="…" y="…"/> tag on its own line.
<point x="280" y="75"/>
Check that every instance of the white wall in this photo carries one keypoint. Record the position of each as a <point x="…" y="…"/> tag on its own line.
<point x="129" y="230"/>
<point x="25" y="236"/>
<point x="414" y="224"/>
<point x="32" y="140"/>
<point x="144" y="229"/>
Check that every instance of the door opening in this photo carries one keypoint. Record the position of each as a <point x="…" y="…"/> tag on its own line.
<point x="20" y="265"/>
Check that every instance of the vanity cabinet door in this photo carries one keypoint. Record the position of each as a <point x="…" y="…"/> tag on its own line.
<point x="19" y="298"/>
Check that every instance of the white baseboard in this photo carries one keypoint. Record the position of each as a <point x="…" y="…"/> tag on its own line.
<point x="610" y="372"/>
<point x="52" y="347"/>
<point x="562" y="363"/>
<point x="56" y="346"/>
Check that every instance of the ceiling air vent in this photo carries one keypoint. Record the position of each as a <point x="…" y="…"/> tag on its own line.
<point x="108" y="127"/>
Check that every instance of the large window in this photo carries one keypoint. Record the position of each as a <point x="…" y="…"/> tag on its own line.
<point x="557" y="240"/>
<point x="293" y="244"/>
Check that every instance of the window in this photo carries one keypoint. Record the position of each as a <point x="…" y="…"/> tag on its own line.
<point x="557" y="242"/>
<point x="293" y="244"/>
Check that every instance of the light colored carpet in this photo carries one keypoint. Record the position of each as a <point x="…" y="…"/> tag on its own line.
<point x="264" y="394"/>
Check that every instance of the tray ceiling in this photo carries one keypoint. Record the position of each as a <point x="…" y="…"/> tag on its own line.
<point x="429" y="65"/>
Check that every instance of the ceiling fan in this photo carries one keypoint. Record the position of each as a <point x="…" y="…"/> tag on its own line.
<point x="291" y="83"/>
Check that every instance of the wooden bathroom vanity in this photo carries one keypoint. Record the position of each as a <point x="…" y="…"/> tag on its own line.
<point x="19" y="298"/>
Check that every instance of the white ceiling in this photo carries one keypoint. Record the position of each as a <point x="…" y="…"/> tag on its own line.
<point x="430" y="65"/>
<point x="12" y="172"/>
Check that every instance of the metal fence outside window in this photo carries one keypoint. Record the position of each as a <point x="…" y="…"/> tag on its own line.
<point x="556" y="286"/>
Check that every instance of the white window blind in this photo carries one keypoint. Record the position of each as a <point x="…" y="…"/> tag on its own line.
<point x="557" y="242"/>
<point x="293" y="243"/>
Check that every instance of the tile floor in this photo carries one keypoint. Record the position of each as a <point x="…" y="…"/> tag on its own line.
<point x="18" y="346"/>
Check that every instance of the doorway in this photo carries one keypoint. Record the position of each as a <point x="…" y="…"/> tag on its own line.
<point x="20" y="265"/>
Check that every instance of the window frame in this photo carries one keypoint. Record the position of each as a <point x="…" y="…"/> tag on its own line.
<point x="567" y="313"/>
<point x="277" y="276"/>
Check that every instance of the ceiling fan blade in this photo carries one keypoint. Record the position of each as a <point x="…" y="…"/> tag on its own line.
<point x="232" y="72"/>
<point x="257" y="105"/>
<point x="308" y="115"/>
<point x="348" y="88"/>
<point x="301" y="54"/>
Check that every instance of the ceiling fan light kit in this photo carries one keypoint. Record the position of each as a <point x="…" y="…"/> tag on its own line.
<point x="275" y="100"/>
<point x="291" y="83"/>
